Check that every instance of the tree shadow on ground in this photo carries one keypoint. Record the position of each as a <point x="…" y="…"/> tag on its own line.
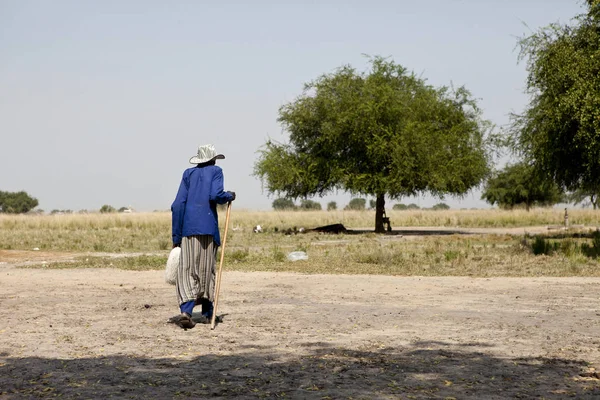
<point x="566" y="235"/>
<point x="425" y="370"/>
<point x="411" y="232"/>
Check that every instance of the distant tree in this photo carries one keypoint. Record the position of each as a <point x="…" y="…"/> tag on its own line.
<point x="283" y="204"/>
<point x="586" y="197"/>
<point x="400" y="206"/>
<point x="56" y="211"/>
<point x="441" y="206"/>
<point x="332" y="205"/>
<point x="122" y="209"/>
<point x="372" y="204"/>
<point x="16" y="202"/>
<point x="382" y="132"/>
<point x="559" y="131"/>
<point x="413" y="206"/>
<point x="521" y="184"/>
<point x="356" y="204"/>
<point x="310" y="205"/>
<point x="107" y="209"/>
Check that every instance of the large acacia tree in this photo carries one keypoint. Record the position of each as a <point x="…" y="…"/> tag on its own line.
<point x="380" y="132"/>
<point x="559" y="131"/>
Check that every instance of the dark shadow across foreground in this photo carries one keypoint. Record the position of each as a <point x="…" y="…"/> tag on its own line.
<point x="427" y="370"/>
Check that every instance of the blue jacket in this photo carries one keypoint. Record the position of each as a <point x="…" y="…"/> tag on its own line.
<point x="194" y="211"/>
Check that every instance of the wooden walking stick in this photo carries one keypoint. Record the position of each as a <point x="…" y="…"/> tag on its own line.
<point x="218" y="284"/>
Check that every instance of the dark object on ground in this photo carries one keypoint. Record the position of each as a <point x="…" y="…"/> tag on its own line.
<point x="386" y="221"/>
<point x="292" y="231"/>
<point x="197" y="318"/>
<point x="334" y="228"/>
<point x="183" y="321"/>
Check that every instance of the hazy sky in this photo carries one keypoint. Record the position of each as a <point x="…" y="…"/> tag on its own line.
<point x="104" y="102"/>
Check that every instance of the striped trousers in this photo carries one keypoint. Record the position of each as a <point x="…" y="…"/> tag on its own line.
<point x="196" y="273"/>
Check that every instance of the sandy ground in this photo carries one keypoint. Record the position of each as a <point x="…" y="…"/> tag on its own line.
<point x="103" y="333"/>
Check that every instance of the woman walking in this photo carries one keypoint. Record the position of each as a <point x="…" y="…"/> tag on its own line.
<point x="196" y="230"/>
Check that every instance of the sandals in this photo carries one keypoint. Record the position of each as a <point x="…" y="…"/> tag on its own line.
<point x="185" y="321"/>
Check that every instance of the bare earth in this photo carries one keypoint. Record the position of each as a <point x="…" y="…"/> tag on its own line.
<point x="104" y="333"/>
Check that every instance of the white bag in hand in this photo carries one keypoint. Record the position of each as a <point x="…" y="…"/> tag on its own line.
<point x="172" y="265"/>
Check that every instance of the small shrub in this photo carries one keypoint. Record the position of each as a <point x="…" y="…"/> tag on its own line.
<point x="239" y="255"/>
<point x="568" y="248"/>
<point x="543" y="246"/>
<point x="163" y="244"/>
<point x="596" y="240"/>
<point x="332" y="205"/>
<point x="451" y="255"/>
<point x="277" y="254"/>
<point x="593" y="250"/>
<point x="99" y="247"/>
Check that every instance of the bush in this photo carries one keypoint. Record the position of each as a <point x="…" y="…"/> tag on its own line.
<point x="413" y="206"/>
<point x="283" y="204"/>
<point x="356" y="204"/>
<point x="332" y="205"/>
<point x="107" y="209"/>
<point x="593" y="250"/>
<point x="400" y="206"/>
<point x="441" y="206"/>
<point x="543" y="246"/>
<point x="310" y="205"/>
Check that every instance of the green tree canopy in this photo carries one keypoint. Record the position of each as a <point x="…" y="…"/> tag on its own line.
<point x="356" y="204"/>
<point x="17" y="202"/>
<point x="283" y="204"/>
<point x="107" y="209"/>
<point x="309" y="205"/>
<point x="520" y="184"/>
<point x="441" y="206"/>
<point x="559" y="131"/>
<point x="586" y="196"/>
<point x="380" y="132"/>
<point x="332" y="205"/>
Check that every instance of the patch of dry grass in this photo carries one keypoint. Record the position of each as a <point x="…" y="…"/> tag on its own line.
<point x="367" y="253"/>
<point x="152" y="231"/>
<point x="455" y="255"/>
<point x="86" y="232"/>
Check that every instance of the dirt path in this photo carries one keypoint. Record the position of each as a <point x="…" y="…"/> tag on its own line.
<point x="101" y="333"/>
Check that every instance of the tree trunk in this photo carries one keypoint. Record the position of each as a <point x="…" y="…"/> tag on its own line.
<point x="379" y="209"/>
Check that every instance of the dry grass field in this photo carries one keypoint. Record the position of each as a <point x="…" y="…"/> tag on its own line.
<point x="479" y="243"/>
